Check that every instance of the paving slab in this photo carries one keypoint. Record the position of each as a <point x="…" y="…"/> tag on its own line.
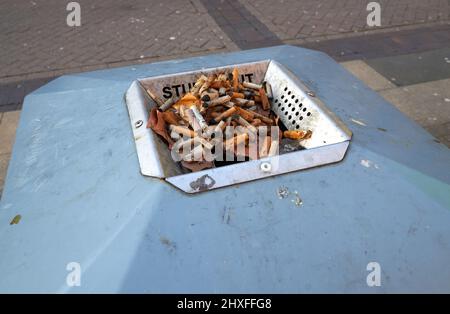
<point x="368" y="75"/>
<point x="414" y="68"/>
<point x="380" y="43"/>
<point x="442" y="132"/>
<point x="8" y="126"/>
<point x="297" y="19"/>
<point x="241" y="26"/>
<point x="4" y="160"/>
<point x="426" y="103"/>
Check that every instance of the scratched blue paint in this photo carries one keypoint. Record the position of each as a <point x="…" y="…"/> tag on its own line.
<point x="74" y="178"/>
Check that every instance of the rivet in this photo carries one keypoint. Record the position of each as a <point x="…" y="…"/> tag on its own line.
<point x="138" y="123"/>
<point x="266" y="167"/>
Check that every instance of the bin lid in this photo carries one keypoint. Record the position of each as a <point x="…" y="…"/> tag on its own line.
<point x="74" y="179"/>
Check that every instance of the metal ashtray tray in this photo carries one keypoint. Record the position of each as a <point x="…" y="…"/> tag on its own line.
<point x="296" y="106"/>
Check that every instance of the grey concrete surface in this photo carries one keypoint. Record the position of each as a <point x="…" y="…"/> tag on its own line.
<point x="414" y="68"/>
<point x="4" y="160"/>
<point x="365" y="73"/>
<point x="426" y="103"/>
<point x="293" y="19"/>
<point x="8" y="125"/>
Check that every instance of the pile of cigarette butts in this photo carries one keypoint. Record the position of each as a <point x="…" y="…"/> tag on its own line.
<point x="201" y="119"/>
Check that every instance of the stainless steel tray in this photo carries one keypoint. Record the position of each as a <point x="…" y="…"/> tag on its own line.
<point x="297" y="106"/>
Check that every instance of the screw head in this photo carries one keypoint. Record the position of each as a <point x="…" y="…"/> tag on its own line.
<point x="138" y="123"/>
<point x="266" y="166"/>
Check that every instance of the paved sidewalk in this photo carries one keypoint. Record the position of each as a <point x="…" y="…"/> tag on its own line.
<point x="293" y="19"/>
<point x="35" y="37"/>
<point x="36" y="42"/>
<point x="427" y="103"/>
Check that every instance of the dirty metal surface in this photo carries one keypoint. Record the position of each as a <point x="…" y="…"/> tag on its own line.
<point x="74" y="180"/>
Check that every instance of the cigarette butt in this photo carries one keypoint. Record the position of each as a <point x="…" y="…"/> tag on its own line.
<point x="222" y="91"/>
<point x="237" y="95"/>
<point x="263" y="118"/>
<point x="256" y="122"/>
<point x="182" y="130"/>
<point x="239" y="130"/>
<point x="268" y="89"/>
<point x="265" y="145"/>
<point x="215" y="114"/>
<point x="198" y="85"/>
<point x="236" y="140"/>
<point x="273" y="148"/>
<point x="257" y="98"/>
<point x="241" y="138"/>
<point x="208" y="132"/>
<point x="181" y="110"/>
<point x="228" y="104"/>
<point x="247" y="115"/>
<point x="216" y="109"/>
<point x="203" y="142"/>
<point x="218" y="84"/>
<point x="225" y="114"/>
<point x="222" y="77"/>
<point x="220" y="126"/>
<point x="297" y="134"/>
<point x="308" y="135"/>
<point x="229" y="130"/>
<point x="244" y="102"/>
<point x="193" y="121"/>
<point x="199" y="117"/>
<point x="235" y="79"/>
<point x="206" y="84"/>
<point x="244" y="130"/>
<point x="264" y="99"/>
<point x="219" y="101"/>
<point x="245" y="123"/>
<point x="167" y="104"/>
<point x="209" y="95"/>
<point x="250" y="103"/>
<point x="252" y="85"/>
<point x="248" y="93"/>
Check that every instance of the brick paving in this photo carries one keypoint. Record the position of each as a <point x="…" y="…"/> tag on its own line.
<point x="293" y="19"/>
<point x="243" y="28"/>
<point x="36" y="42"/>
<point x="385" y="44"/>
<point x="35" y="37"/>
